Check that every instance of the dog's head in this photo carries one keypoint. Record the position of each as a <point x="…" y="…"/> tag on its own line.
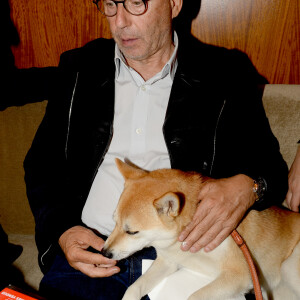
<point x="147" y="212"/>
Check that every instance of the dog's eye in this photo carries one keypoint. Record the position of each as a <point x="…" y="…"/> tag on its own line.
<point x="132" y="232"/>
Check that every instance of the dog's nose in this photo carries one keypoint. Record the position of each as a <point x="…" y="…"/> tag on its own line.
<point x="106" y="253"/>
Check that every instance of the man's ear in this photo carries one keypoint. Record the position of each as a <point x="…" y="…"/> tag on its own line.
<point x="128" y="171"/>
<point x="170" y="205"/>
<point x="176" y="7"/>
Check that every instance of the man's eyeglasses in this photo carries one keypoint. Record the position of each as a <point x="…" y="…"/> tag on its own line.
<point x="134" y="7"/>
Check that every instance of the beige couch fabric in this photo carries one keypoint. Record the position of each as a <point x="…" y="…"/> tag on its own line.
<point x="282" y="105"/>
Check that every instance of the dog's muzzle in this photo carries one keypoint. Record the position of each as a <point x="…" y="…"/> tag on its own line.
<point x="106" y="253"/>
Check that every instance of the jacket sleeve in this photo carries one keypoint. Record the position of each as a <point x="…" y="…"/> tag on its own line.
<point x="52" y="191"/>
<point x="53" y="206"/>
<point x="251" y="149"/>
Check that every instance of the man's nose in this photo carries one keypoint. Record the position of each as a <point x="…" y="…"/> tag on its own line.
<point x="122" y="16"/>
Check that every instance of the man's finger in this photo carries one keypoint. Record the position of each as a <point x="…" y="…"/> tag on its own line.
<point x="95" y="241"/>
<point x="288" y="199"/>
<point x="207" y="237"/>
<point x="294" y="204"/>
<point x="221" y="237"/>
<point x="194" y="235"/>
<point x="200" y="215"/>
<point x="94" y="271"/>
<point x="186" y="231"/>
<point x="192" y="232"/>
<point x="87" y="257"/>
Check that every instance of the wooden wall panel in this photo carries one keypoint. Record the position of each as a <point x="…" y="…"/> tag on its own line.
<point x="267" y="30"/>
<point x="48" y="28"/>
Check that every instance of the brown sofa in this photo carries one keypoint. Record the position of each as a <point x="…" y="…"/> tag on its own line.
<point x="17" y="129"/>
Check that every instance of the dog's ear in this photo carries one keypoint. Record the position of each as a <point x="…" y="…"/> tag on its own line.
<point x="129" y="171"/>
<point x="169" y="205"/>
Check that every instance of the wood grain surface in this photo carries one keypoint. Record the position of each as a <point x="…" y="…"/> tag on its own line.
<point x="267" y="30"/>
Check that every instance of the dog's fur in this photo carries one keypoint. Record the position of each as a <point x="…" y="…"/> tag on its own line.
<point x="155" y="207"/>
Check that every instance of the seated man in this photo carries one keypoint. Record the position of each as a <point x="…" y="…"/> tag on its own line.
<point x="158" y="101"/>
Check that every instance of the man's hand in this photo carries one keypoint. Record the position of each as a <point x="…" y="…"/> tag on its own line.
<point x="222" y="205"/>
<point x="74" y="243"/>
<point x="293" y="194"/>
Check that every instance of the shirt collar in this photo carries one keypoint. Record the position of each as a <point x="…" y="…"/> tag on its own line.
<point x="169" y="68"/>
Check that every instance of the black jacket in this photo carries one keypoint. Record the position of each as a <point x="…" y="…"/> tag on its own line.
<point x="215" y="124"/>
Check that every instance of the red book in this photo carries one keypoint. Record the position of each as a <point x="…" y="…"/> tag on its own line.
<point x="13" y="293"/>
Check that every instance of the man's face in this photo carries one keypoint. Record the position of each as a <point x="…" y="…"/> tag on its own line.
<point x="141" y="37"/>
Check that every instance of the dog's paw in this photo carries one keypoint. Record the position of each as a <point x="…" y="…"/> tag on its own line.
<point x="132" y="294"/>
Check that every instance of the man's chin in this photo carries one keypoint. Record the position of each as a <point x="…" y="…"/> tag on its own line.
<point x="130" y="54"/>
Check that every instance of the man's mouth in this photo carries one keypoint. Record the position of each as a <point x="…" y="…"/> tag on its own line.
<point x="128" y="41"/>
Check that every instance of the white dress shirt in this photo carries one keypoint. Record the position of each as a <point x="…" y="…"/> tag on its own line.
<point x="140" y="108"/>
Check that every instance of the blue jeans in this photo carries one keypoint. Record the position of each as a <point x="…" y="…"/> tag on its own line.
<point x="64" y="282"/>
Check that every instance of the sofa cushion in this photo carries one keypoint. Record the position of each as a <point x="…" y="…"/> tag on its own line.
<point x="282" y="105"/>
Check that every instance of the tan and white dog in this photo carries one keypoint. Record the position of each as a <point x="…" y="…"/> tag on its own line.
<point x="154" y="208"/>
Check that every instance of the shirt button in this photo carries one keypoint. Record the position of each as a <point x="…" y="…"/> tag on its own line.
<point x="139" y="131"/>
<point x="143" y="88"/>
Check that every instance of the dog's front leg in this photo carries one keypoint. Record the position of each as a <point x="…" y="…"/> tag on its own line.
<point x="228" y="285"/>
<point x="153" y="276"/>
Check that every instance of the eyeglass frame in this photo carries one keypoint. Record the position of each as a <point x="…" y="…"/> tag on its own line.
<point x="121" y="1"/>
